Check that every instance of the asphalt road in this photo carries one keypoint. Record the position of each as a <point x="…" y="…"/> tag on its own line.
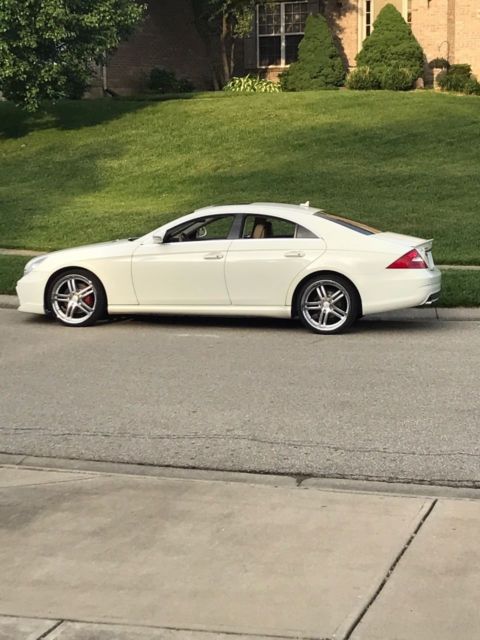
<point x="389" y="400"/>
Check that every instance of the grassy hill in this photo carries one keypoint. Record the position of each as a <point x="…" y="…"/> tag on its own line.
<point x="90" y="171"/>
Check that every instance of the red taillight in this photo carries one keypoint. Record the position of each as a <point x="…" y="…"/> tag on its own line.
<point x="411" y="260"/>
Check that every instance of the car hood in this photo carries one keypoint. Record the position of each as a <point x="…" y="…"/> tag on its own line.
<point x="112" y="249"/>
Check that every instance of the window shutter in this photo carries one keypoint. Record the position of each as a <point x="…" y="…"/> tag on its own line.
<point x="250" y="47"/>
<point x="313" y="7"/>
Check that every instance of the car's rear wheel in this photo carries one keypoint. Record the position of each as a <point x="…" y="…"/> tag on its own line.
<point x="76" y="298"/>
<point x="328" y="304"/>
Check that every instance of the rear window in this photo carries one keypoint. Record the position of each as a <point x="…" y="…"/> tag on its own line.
<point x="359" y="227"/>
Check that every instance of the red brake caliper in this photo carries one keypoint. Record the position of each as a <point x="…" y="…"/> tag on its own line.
<point x="90" y="299"/>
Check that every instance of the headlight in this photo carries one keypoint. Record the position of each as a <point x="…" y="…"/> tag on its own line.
<point x="32" y="264"/>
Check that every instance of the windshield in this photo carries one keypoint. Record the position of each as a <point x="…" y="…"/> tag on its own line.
<point x="359" y="227"/>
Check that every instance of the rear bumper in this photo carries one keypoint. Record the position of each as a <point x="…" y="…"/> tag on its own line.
<point x="432" y="299"/>
<point x="402" y="289"/>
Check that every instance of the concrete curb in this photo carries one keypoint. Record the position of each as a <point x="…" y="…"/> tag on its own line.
<point x="8" y="302"/>
<point x="414" y="315"/>
<point x="434" y="489"/>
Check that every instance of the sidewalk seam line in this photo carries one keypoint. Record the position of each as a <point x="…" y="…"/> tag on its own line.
<point x="46" y="633"/>
<point x="390" y="571"/>
<point x="107" y="623"/>
<point x="44" y="484"/>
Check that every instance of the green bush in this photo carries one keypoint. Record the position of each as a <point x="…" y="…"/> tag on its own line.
<point x="455" y="78"/>
<point x="363" y="78"/>
<point x="164" y="81"/>
<point x="472" y="87"/>
<point x="391" y="44"/>
<point x="319" y="63"/>
<point x="252" y="84"/>
<point x="396" y="78"/>
<point x="393" y="78"/>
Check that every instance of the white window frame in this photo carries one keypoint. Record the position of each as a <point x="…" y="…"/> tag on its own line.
<point x="372" y="13"/>
<point x="282" y="35"/>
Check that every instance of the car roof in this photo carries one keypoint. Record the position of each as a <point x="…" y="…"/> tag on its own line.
<point x="267" y="208"/>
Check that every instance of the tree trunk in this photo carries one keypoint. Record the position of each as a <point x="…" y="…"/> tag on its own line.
<point x="224" y="42"/>
<point x="232" y="58"/>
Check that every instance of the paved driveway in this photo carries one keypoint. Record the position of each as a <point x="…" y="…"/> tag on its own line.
<point x="389" y="400"/>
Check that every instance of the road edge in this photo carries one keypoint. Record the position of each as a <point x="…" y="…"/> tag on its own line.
<point x="288" y="481"/>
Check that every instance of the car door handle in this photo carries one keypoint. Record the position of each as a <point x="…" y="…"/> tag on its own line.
<point x="213" y="256"/>
<point x="295" y="254"/>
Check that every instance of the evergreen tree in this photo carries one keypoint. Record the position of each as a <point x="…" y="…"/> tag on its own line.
<point x="319" y="63"/>
<point x="391" y="44"/>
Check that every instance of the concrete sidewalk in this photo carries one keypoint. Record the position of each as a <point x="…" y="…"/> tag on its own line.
<point x="86" y="555"/>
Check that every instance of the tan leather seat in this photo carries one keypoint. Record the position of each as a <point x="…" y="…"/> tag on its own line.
<point x="262" y="229"/>
<point x="259" y="230"/>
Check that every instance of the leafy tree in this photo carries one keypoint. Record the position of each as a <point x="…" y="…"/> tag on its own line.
<point x="319" y="63"/>
<point x="391" y="44"/>
<point x="222" y="23"/>
<point x="48" y="47"/>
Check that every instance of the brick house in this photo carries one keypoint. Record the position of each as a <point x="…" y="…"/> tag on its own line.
<point x="169" y="37"/>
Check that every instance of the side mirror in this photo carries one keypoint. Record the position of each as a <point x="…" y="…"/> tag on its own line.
<point x="158" y="238"/>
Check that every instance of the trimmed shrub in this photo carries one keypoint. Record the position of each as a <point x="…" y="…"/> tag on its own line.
<point x="456" y="78"/>
<point x="472" y="87"/>
<point x="252" y="84"/>
<point x="391" y="44"/>
<point x="362" y="79"/>
<point x="395" y="78"/>
<point x="319" y="63"/>
<point x="164" y="81"/>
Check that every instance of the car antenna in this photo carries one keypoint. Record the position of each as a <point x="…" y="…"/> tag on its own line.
<point x="305" y="204"/>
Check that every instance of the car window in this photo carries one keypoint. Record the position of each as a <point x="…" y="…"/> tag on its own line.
<point x="359" y="227"/>
<point x="212" y="228"/>
<point x="262" y="227"/>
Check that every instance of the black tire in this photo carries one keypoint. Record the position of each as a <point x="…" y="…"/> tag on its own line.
<point x="328" y="304"/>
<point x="76" y="298"/>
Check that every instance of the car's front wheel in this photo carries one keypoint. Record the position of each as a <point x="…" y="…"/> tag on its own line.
<point x="328" y="304"/>
<point x="76" y="298"/>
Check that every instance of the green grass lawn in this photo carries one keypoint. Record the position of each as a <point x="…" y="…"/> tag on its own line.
<point x="90" y="171"/>
<point x="11" y="270"/>
<point x="459" y="288"/>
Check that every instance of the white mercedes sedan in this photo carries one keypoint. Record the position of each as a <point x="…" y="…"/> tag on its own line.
<point x="262" y="259"/>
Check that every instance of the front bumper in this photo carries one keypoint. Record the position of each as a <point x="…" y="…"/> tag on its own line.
<point x="30" y="292"/>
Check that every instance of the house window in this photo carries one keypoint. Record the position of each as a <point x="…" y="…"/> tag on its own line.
<point x="368" y="17"/>
<point x="280" y="28"/>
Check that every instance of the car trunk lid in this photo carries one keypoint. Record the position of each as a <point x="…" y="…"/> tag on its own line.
<point x="424" y="247"/>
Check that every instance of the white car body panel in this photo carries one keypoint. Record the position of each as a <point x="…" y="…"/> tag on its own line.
<point x="190" y="273"/>
<point x="242" y="276"/>
<point x="259" y="272"/>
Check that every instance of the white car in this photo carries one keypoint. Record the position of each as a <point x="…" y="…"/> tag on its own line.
<point x="262" y="259"/>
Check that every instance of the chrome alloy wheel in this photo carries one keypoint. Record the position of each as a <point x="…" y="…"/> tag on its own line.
<point x="325" y="305"/>
<point x="74" y="299"/>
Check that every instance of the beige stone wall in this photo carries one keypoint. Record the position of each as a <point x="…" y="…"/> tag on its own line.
<point x="467" y="33"/>
<point x="344" y="20"/>
<point x="448" y="29"/>
<point x="169" y="39"/>
<point x="430" y="27"/>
